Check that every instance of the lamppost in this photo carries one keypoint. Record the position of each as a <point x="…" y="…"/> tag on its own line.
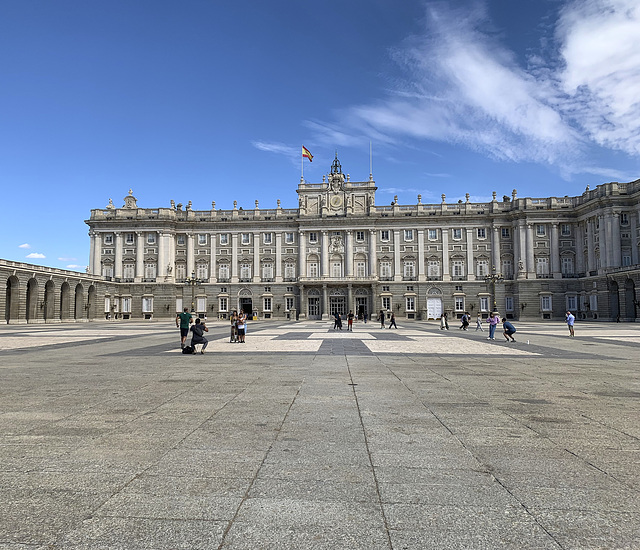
<point x="492" y="280"/>
<point x="193" y="281"/>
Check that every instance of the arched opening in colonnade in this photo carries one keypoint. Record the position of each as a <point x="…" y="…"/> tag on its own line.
<point x="49" y="300"/>
<point x="92" y="299"/>
<point x="31" y="313"/>
<point x="12" y="301"/>
<point x="65" y="302"/>
<point x="614" y="301"/>
<point x="630" y="300"/>
<point x="78" y="306"/>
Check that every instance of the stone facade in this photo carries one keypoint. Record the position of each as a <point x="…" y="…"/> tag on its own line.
<point x="529" y="258"/>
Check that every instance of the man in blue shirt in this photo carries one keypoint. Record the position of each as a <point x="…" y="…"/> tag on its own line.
<point x="570" y="318"/>
<point x="509" y="329"/>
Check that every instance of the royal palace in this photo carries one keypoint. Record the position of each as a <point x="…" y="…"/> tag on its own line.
<point x="339" y="251"/>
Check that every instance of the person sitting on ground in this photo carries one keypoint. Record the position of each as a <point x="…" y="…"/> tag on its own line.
<point x="197" y="337"/>
<point x="509" y="329"/>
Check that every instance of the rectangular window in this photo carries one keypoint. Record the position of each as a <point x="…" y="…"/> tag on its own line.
<point x="126" y="305"/>
<point x="202" y="271"/>
<point x="313" y="237"/>
<point x="107" y="304"/>
<point x="507" y="269"/>
<point x="179" y="305"/>
<point x="541" y="230"/>
<point x="433" y="268"/>
<point x="336" y="269"/>
<point x="624" y="218"/>
<point x="267" y="304"/>
<point x="626" y="261"/>
<point x="411" y="303"/>
<point x="482" y="268"/>
<point x="459" y="303"/>
<point x="151" y="238"/>
<point x="409" y="270"/>
<point x="567" y="266"/>
<point x="128" y="271"/>
<point x="312" y="268"/>
<point x="457" y="268"/>
<point x="593" y="302"/>
<point x="361" y="269"/>
<point x="267" y="271"/>
<point x="267" y="238"/>
<point x="433" y="234"/>
<point x="505" y="232"/>
<point x="542" y="266"/>
<point x="289" y="271"/>
<point x="128" y="238"/>
<point x="565" y="230"/>
<point x="245" y="271"/>
<point x="289" y="238"/>
<point x="384" y="235"/>
<point x="508" y="303"/>
<point x="245" y="238"/>
<point x="360" y="236"/>
<point x="385" y="288"/>
<point x="223" y="304"/>
<point x="385" y="270"/>
<point x="484" y="303"/>
<point x="108" y="238"/>
<point x="180" y="240"/>
<point x="202" y="239"/>
<point x="386" y="302"/>
<point x="408" y="234"/>
<point x="482" y="233"/>
<point x="289" y="303"/>
<point x="223" y="272"/>
<point x="181" y="272"/>
<point x="201" y="304"/>
<point x="149" y="271"/>
<point x="545" y="303"/>
<point x="224" y="238"/>
<point x="572" y="303"/>
<point x="457" y="234"/>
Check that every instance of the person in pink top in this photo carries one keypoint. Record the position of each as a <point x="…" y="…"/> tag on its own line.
<point x="493" y="321"/>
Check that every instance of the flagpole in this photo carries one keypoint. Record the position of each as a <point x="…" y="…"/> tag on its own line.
<point x="301" y="165"/>
<point x="370" y="162"/>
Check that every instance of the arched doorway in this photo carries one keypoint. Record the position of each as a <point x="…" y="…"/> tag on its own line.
<point x="313" y="304"/>
<point x="630" y="300"/>
<point x="434" y="303"/>
<point x="65" y="302"/>
<point x="12" y="302"/>
<point x="31" y="312"/>
<point x="92" y="302"/>
<point x="245" y="302"/>
<point x="78" y="305"/>
<point x="362" y="303"/>
<point x="49" y="300"/>
<point x="614" y="301"/>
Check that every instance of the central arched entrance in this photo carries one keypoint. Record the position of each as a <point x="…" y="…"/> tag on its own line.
<point x="245" y="302"/>
<point x="313" y="304"/>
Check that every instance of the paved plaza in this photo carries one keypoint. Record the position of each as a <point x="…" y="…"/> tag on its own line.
<point x="310" y="438"/>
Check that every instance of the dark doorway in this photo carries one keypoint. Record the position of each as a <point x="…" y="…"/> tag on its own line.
<point x="246" y="305"/>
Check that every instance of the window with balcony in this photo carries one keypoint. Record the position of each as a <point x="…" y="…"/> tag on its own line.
<point x="542" y="267"/>
<point x="457" y="268"/>
<point x="202" y="270"/>
<point x="409" y="270"/>
<point x="245" y="272"/>
<point x="223" y="272"/>
<point x="482" y="268"/>
<point x="312" y="269"/>
<point x="385" y="270"/>
<point x="361" y="269"/>
<point x="267" y="271"/>
<point x="336" y="269"/>
<point x="433" y="268"/>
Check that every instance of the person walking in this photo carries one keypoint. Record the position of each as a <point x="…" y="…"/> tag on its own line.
<point x="465" y="321"/>
<point x="197" y="337"/>
<point x="479" y="323"/>
<point x="350" y="321"/>
<point x="443" y="321"/>
<point x="508" y="329"/>
<point x="570" y="320"/>
<point x="381" y="318"/>
<point x="392" y="321"/>
<point x="183" y="320"/>
<point x="493" y="321"/>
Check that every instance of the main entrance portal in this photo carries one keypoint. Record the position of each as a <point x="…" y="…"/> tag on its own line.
<point x="337" y="304"/>
<point x="314" y="307"/>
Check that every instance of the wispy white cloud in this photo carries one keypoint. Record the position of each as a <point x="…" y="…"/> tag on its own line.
<point x="35" y="255"/>
<point x="25" y="245"/>
<point x="67" y="259"/>
<point x="465" y="87"/>
<point x="74" y="266"/>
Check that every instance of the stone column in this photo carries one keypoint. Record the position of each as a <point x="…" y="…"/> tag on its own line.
<point x="515" y="239"/>
<point x="469" y="238"/>
<point x="92" y="248"/>
<point x="350" y="304"/>
<point x="348" y="256"/>
<point x="556" y="272"/>
<point x="97" y="254"/>
<point x="256" y="258"/>
<point x="278" y="258"/>
<point x="531" y="263"/>
<point x="324" y="254"/>
<point x="373" y="253"/>
<point x="602" y="242"/>
<point x="634" y="237"/>
<point x="302" y="258"/>
<point x="117" y="268"/>
<point x="446" y="276"/>
<point x="591" y="246"/>
<point x="234" y="258"/>
<point x="579" y="248"/>
<point x="139" y="256"/>
<point x="616" y="252"/>
<point x="397" y="269"/>
<point x="495" y="250"/>
<point x="421" y="272"/>
<point x="608" y="236"/>
<point x="191" y="260"/>
<point x="213" y="264"/>
<point x="325" y="302"/>
<point x="162" y="257"/>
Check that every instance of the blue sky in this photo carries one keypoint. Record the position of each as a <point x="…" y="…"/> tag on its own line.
<point x="207" y="100"/>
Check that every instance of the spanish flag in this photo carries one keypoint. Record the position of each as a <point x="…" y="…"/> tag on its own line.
<point x="306" y="153"/>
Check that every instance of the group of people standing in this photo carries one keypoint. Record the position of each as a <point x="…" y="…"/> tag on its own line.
<point x="493" y="320"/>
<point x="238" y="327"/>
<point x="184" y="322"/>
